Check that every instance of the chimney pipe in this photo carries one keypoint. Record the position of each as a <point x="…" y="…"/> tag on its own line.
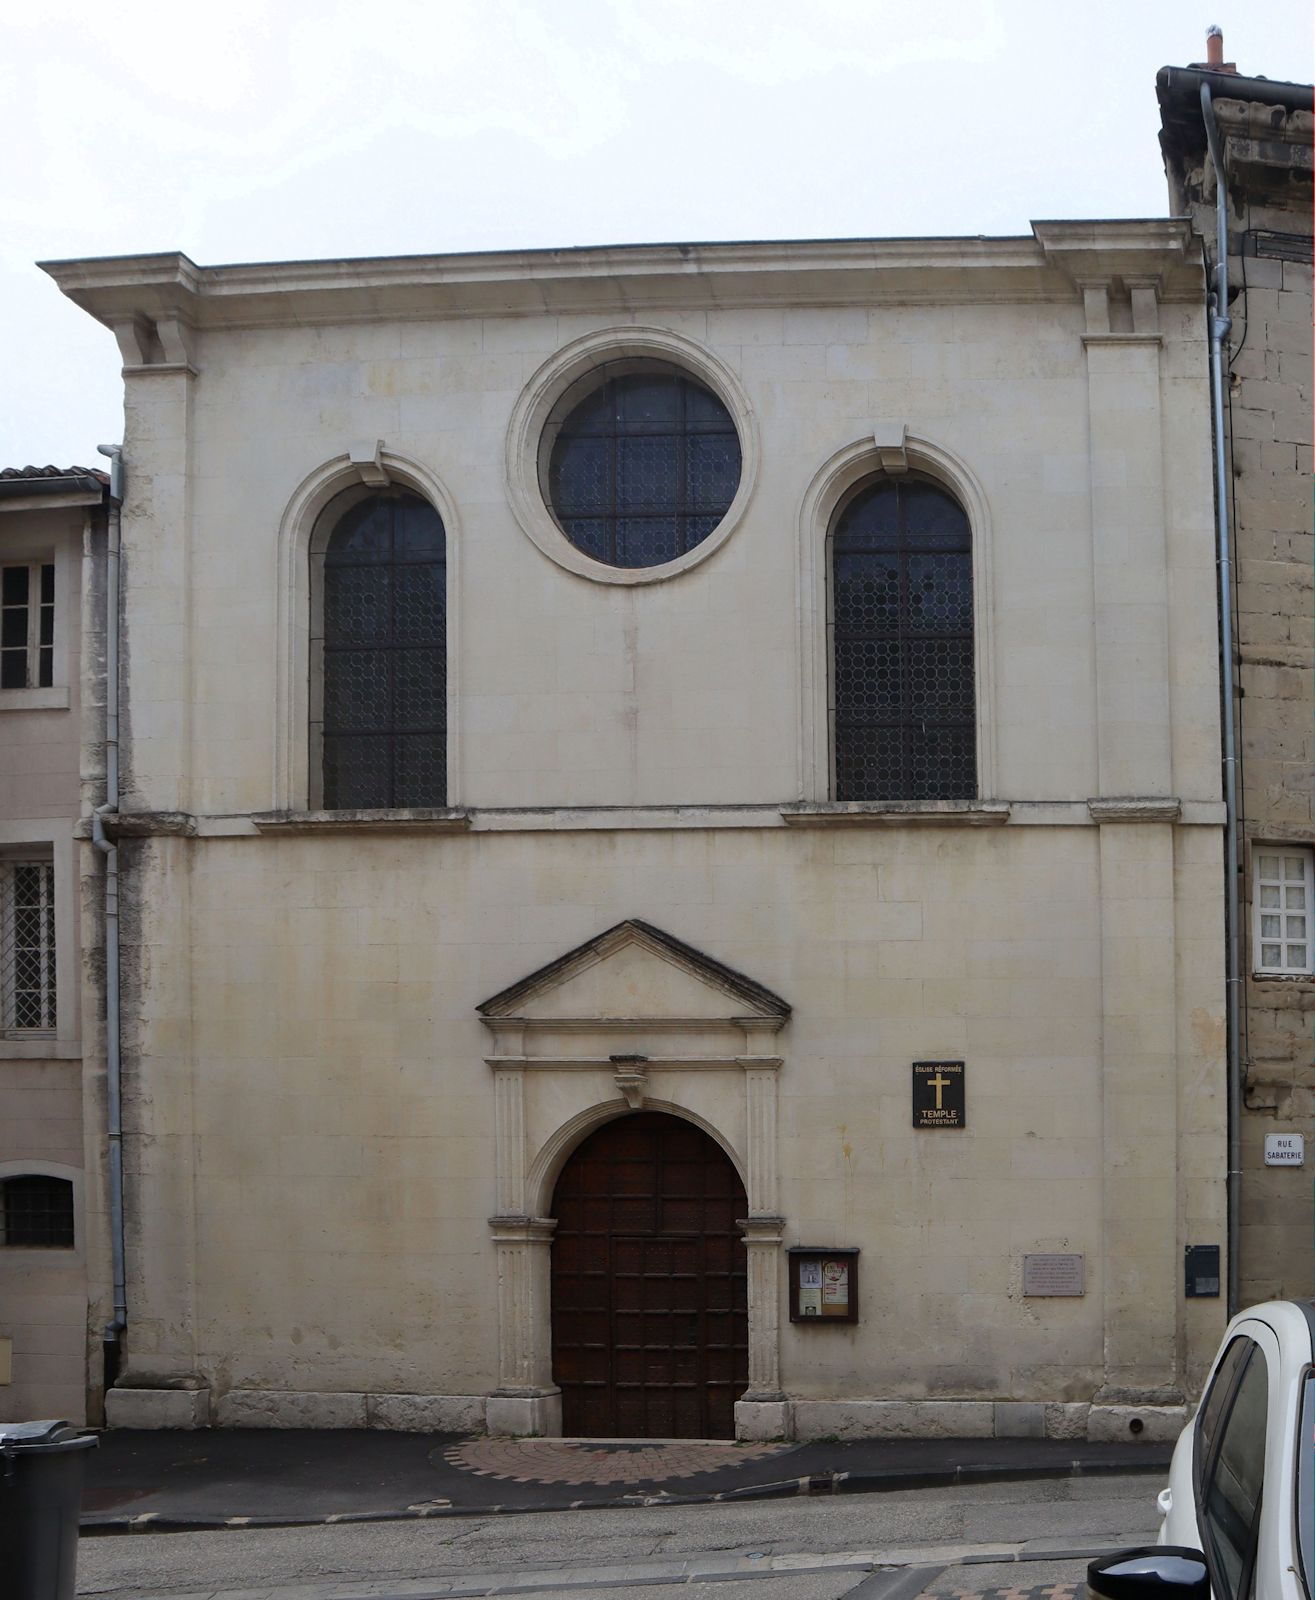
<point x="1214" y="47"/>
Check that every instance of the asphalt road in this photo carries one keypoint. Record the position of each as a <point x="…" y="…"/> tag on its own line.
<point x="950" y="1544"/>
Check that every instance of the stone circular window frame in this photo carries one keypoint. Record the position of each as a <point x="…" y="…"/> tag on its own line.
<point x="563" y="371"/>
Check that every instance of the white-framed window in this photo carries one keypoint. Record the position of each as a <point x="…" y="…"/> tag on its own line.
<point x="1283" y="921"/>
<point x="27" y="946"/>
<point x="27" y="625"/>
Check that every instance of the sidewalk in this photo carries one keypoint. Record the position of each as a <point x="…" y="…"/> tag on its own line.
<point x="255" y="1478"/>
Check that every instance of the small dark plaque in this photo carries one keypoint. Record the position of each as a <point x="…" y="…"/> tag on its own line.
<point x="1202" y="1271"/>
<point x="938" y="1097"/>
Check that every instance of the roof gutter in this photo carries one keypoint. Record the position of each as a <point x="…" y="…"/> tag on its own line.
<point x="1185" y="84"/>
<point x="73" y="483"/>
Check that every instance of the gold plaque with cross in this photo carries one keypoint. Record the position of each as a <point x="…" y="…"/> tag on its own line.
<point x="938" y="1095"/>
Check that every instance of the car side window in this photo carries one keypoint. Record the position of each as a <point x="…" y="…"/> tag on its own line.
<point x="1234" y="1478"/>
<point x="1216" y="1397"/>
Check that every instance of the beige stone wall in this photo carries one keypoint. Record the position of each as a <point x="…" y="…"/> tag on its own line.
<point x="43" y="1293"/>
<point x="323" y="1225"/>
<point x="313" y="1141"/>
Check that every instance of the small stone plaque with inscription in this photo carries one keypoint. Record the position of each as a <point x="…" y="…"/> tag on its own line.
<point x="1053" y="1274"/>
<point x="938" y="1095"/>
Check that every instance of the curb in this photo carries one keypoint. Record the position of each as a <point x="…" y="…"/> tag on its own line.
<point x="878" y="1482"/>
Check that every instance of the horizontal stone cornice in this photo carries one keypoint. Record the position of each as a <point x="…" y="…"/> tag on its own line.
<point x="623" y="819"/>
<point x="905" y="813"/>
<point x="619" y="278"/>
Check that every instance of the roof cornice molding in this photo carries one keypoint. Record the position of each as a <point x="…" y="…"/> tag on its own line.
<point x="616" y="279"/>
<point x="1156" y="252"/>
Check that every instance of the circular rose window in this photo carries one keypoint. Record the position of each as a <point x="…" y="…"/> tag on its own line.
<point x="640" y="464"/>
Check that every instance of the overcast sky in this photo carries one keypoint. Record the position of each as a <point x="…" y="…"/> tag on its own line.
<point x="267" y="129"/>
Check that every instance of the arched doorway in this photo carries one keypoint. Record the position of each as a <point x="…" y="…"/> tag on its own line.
<point x="650" y="1330"/>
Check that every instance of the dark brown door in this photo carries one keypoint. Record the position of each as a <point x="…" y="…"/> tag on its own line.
<point x="649" y="1326"/>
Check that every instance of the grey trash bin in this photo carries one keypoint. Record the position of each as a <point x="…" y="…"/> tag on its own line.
<point x="40" y="1501"/>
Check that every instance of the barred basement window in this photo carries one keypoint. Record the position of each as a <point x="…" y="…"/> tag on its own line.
<point x="384" y="586"/>
<point x="643" y="467"/>
<point x="27" y="946"/>
<point x="27" y="625"/>
<point x="903" y="707"/>
<point x="36" y="1212"/>
<point x="1283" y="911"/>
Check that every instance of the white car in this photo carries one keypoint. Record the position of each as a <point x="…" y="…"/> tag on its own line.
<point x="1239" y="1512"/>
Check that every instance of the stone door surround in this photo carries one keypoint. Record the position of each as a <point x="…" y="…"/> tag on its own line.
<point x="633" y="1019"/>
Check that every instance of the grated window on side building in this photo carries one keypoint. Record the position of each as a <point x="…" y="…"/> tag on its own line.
<point x="27" y="946"/>
<point x="385" y="657"/>
<point x="903" y="708"/>
<point x="36" y="1212"/>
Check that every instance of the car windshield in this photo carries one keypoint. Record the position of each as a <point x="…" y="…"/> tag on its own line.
<point x="1305" y="1484"/>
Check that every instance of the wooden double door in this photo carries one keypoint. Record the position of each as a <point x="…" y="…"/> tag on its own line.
<point x="649" y="1322"/>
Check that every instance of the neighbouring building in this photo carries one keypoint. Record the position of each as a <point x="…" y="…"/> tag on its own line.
<point x="52" y="530"/>
<point x="1265" y="132"/>
<point x="649" y="771"/>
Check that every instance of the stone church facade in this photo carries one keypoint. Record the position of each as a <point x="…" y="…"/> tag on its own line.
<point x="591" y="723"/>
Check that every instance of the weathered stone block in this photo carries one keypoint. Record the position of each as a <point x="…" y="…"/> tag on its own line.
<point x="759" y="1420"/>
<point x="426" y="1413"/>
<point x="1144" y="1424"/>
<point x="157" y="1408"/>
<point x="894" y="1419"/>
<point x="1019" y="1419"/>
<point x="284" y="1408"/>
<point x="534" y="1416"/>
<point x="1066" y="1421"/>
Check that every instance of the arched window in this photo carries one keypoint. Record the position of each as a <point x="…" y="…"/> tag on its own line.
<point x="383" y="657"/>
<point x="903" y="711"/>
<point x="36" y="1212"/>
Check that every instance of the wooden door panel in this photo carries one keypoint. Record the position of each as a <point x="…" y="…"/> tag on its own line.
<point x="649" y="1286"/>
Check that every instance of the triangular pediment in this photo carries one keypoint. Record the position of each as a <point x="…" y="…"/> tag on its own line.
<point x="634" y="972"/>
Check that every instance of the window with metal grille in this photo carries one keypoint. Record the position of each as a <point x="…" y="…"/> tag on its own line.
<point x="27" y="946"/>
<point x="36" y="1211"/>
<point x="385" y="657"/>
<point x="1283" y="911"/>
<point x="903" y="710"/>
<point x="27" y="625"/>
<point x="643" y="468"/>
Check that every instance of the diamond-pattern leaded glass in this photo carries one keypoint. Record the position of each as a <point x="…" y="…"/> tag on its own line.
<point x="385" y="657"/>
<point x="27" y="945"/>
<point x="643" y="468"/>
<point x="902" y="645"/>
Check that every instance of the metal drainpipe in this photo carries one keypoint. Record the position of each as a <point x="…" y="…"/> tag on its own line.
<point x="113" y="1334"/>
<point x="1220" y="323"/>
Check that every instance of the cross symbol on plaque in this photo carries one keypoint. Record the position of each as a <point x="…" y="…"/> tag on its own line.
<point x="938" y="1083"/>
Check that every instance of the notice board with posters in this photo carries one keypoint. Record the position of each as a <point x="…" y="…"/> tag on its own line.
<point x="823" y="1284"/>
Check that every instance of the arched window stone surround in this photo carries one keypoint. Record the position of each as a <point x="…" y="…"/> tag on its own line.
<point x="889" y="449"/>
<point x="303" y="530"/>
<point x="567" y="367"/>
<point x="718" y="1072"/>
